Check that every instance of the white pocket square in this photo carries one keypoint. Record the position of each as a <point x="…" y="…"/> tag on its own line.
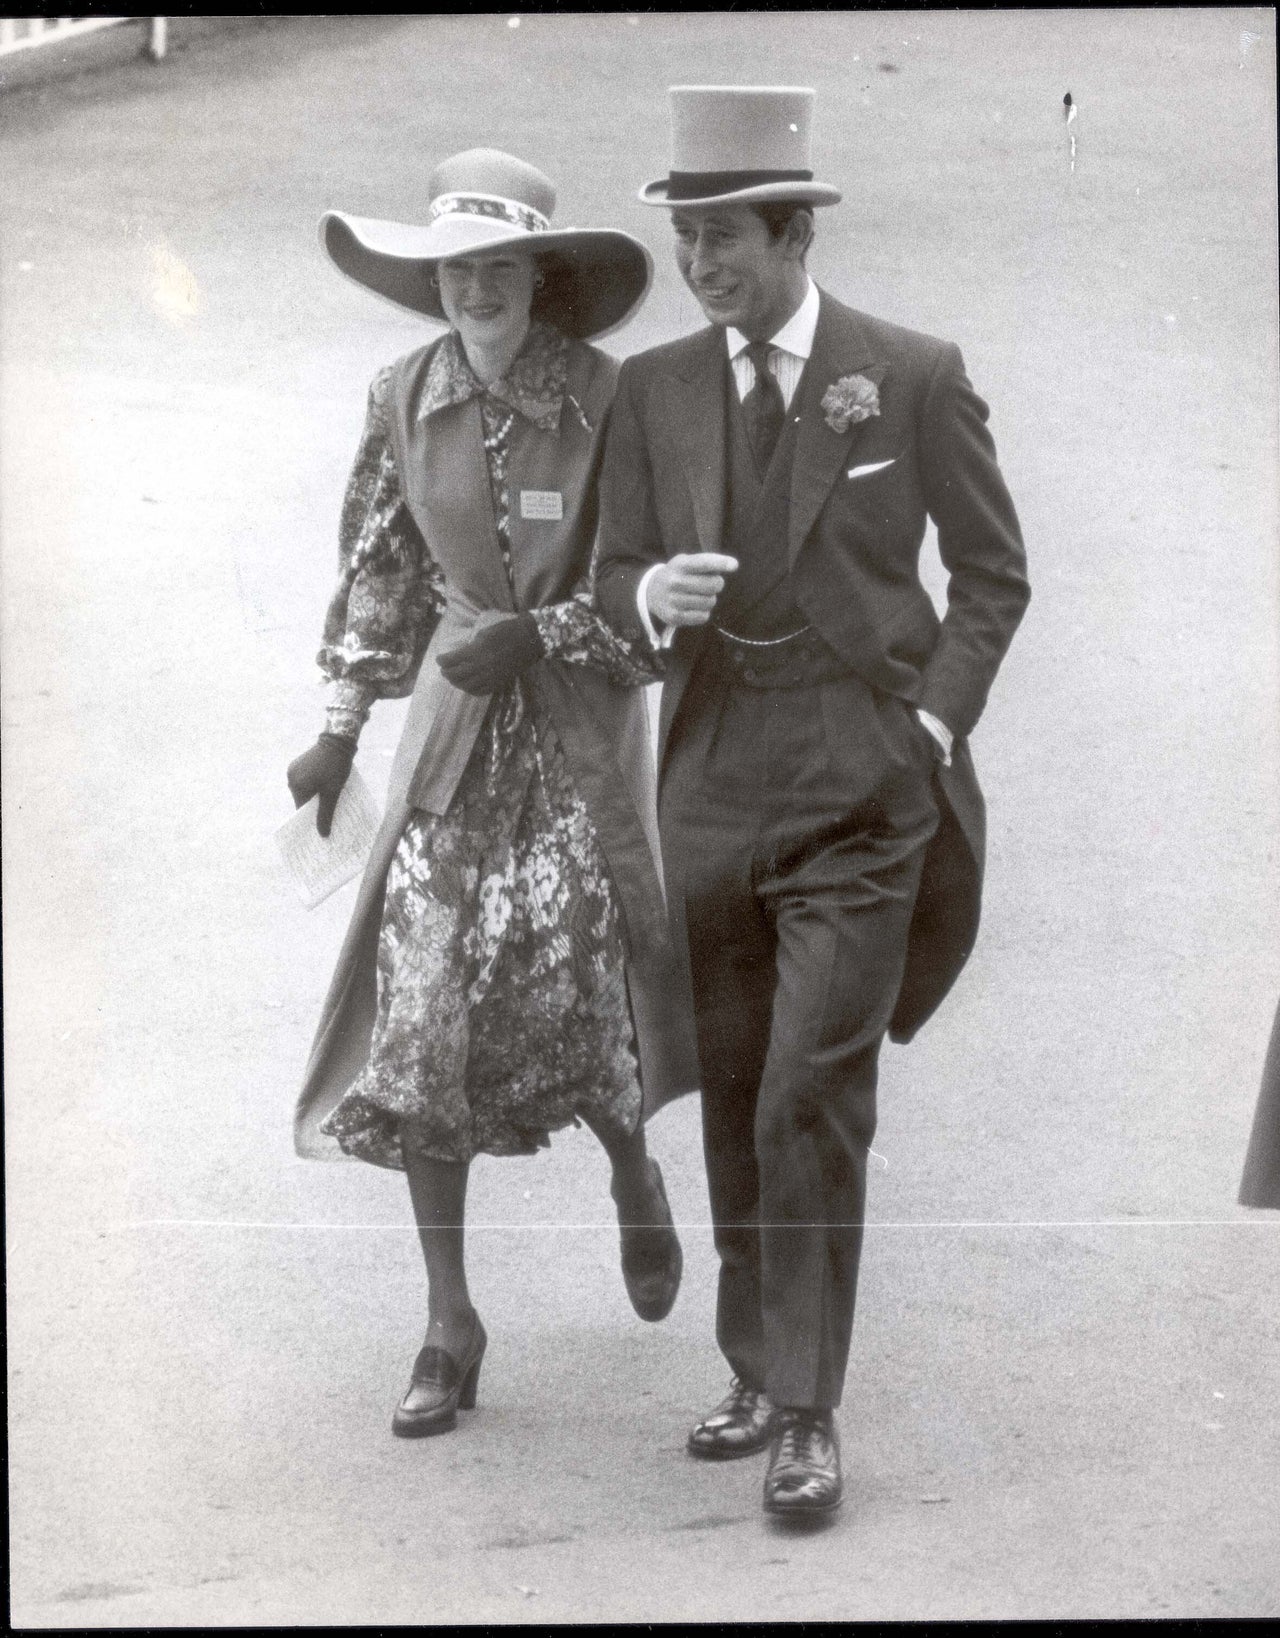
<point x="866" y="471"/>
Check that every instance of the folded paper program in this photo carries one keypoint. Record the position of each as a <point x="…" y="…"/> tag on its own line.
<point x="319" y="865"/>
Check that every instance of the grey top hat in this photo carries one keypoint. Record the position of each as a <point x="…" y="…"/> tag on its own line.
<point x="740" y="144"/>
<point x="481" y="201"/>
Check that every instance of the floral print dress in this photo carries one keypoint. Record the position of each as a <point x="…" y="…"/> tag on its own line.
<point x="502" y="1003"/>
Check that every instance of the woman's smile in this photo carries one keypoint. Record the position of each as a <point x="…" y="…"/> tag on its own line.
<point x="487" y="299"/>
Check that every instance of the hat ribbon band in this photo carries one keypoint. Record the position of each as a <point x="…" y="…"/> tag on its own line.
<point x="491" y="205"/>
<point x="702" y="184"/>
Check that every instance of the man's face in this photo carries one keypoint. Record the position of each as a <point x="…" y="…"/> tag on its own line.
<point x="741" y="275"/>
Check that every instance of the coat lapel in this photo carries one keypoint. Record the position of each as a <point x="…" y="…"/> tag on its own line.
<point x="459" y="506"/>
<point x="839" y="349"/>
<point x="556" y="464"/>
<point x="695" y="396"/>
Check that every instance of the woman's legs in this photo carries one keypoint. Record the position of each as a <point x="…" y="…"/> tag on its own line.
<point x="651" y="1257"/>
<point x="629" y="1157"/>
<point x="438" y="1190"/>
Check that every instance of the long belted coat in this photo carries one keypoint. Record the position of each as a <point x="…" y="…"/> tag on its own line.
<point x="861" y="497"/>
<point x="602" y="726"/>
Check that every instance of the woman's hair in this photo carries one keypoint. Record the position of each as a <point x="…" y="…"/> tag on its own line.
<point x="553" y="299"/>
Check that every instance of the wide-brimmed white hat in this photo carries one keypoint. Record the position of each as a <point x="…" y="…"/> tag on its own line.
<point x="482" y="200"/>
<point x="740" y="145"/>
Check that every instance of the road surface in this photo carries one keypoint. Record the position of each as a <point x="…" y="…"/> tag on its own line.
<point x="1064" y="1395"/>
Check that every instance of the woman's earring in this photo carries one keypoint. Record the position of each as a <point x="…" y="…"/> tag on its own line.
<point x="433" y="281"/>
<point x="539" y="279"/>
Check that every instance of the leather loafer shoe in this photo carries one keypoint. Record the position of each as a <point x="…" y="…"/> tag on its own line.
<point x="439" y="1387"/>
<point x="740" y="1425"/>
<point x="803" y="1477"/>
<point x="652" y="1261"/>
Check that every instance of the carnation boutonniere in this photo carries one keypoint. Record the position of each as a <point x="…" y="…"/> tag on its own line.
<point x="852" y="399"/>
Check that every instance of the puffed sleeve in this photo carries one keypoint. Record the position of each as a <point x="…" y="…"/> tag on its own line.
<point x="389" y="594"/>
<point x="577" y="632"/>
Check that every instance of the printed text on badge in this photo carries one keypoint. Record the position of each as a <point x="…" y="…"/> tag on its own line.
<point x="544" y="504"/>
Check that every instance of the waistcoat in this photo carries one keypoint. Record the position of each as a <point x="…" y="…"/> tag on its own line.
<point x="758" y="601"/>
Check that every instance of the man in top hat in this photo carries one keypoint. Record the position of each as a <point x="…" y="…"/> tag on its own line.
<point x="765" y="491"/>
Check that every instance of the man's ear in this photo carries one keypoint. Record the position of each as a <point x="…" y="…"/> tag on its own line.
<point x="799" y="234"/>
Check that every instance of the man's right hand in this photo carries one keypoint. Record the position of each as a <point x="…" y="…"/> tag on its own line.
<point x="683" y="591"/>
<point x="322" y="771"/>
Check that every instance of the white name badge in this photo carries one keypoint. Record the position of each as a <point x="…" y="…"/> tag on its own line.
<point x="546" y="505"/>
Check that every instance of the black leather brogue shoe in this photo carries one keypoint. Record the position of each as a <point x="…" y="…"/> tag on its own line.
<point x="803" y="1476"/>
<point x="740" y="1425"/>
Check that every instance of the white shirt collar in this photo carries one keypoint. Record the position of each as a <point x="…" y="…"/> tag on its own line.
<point x="795" y="336"/>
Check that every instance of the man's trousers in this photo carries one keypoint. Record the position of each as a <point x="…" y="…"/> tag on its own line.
<point x="794" y="825"/>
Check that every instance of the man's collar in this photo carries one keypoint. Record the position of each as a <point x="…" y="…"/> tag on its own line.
<point x="795" y="336"/>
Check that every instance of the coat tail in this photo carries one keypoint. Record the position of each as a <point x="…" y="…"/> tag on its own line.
<point x="944" y="925"/>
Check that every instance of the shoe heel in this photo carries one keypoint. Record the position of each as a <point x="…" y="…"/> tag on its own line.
<point x="470" y="1382"/>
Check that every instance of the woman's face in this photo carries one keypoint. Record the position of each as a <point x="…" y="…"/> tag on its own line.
<point x="487" y="297"/>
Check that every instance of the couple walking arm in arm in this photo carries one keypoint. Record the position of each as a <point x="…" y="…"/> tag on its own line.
<point x="762" y="492"/>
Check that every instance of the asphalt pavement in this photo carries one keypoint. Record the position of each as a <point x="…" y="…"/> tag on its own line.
<point x="1064" y="1395"/>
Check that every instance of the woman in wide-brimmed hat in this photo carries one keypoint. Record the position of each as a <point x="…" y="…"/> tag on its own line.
<point x="507" y="970"/>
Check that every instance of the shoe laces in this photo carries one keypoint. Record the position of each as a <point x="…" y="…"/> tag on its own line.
<point x="796" y="1446"/>
<point x="740" y="1395"/>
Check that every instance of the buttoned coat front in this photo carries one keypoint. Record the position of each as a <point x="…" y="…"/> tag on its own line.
<point x="861" y="497"/>
<point x="602" y="726"/>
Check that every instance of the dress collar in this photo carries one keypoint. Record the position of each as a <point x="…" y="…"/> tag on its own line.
<point x="795" y="336"/>
<point x="533" y="386"/>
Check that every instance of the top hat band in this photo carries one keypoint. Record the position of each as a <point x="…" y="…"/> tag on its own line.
<point x="705" y="184"/>
<point x="492" y="205"/>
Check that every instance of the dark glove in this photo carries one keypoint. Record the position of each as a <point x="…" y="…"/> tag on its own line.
<point x="495" y="656"/>
<point x="322" y="771"/>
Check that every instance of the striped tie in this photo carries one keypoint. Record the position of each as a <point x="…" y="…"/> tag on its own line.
<point x="763" y="408"/>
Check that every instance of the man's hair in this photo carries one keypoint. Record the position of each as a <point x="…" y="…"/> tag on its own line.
<point x="777" y="216"/>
